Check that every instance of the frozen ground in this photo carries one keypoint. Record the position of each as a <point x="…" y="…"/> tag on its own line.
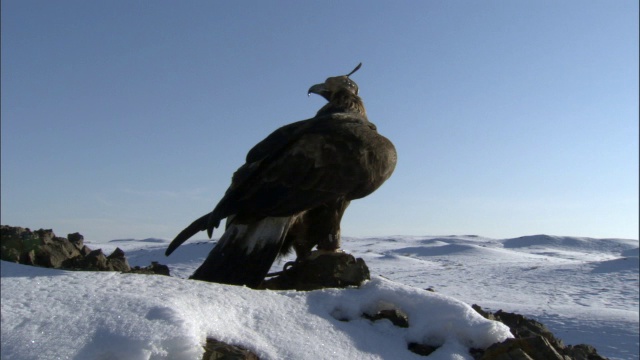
<point x="585" y="290"/>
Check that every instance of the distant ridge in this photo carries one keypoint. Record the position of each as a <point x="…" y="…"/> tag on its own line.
<point x="147" y="240"/>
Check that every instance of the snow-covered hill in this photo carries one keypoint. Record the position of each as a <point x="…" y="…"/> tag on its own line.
<point x="585" y="290"/>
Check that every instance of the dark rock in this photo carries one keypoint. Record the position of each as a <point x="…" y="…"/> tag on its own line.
<point x="485" y="314"/>
<point x="95" y="260"/>
<point x="15" y="242"/>
<point x="332" y="270"/>
<point x="583" y="352"/>
<point x="77" y="240"/>
<point x="40" y="247"/>
<point x="55" y="251"/>
<point x="85" y="250"/>
<point x="46" y="235"/>
<point x="159" y="268"/>
<point x="397" y="317"/>
<point x="535" y="348"/>
<point x="116" y="254"/>
<point x="43" y="248"/>
<point x="217" y="350"/>
<point x="476" y="353"/>
<point x="28" y="258"/>
<point x="514" y="354"/>
<point x="421" y="349"/>
<point x="117" y="262"/>
<point x="12" y="255"/>
<point x="520" y="326"/>
<point x="153" y="269"/>
<point x="532" y="341"/>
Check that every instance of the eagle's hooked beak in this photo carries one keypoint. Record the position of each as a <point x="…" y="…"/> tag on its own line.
<point x="319" y="89"/>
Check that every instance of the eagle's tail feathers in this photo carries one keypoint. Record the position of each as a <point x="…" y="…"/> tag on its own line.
<point x="245" y="252"/>
<point x="188" y="232"/>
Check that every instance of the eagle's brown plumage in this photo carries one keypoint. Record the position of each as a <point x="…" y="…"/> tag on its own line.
<point x="294" y="188"/>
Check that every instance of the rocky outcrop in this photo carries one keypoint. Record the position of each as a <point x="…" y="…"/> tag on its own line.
<point x="532" y="341"/>
<point x="43" y="248"/>
<point x="217" y="350"/>
<point x="154" y="269"/>
<point x="397" y="317"/>
<point x="319" y="271"/>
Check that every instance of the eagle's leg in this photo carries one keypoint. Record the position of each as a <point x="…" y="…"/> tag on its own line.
<point x="329" y="233"/>
<point x="330" y="242"/>
<point x="319" y="227"/>
<point x="298" y="238"/>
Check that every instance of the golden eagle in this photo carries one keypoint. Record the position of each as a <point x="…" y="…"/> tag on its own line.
<point x="294" y="188"/>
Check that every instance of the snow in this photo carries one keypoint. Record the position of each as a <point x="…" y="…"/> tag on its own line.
<point x="585" y="290"/>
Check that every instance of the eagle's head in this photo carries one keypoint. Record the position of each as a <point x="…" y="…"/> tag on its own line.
<point x="336" y="84"/>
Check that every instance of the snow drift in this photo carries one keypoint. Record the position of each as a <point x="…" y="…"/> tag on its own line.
<point x="88" y="315"/>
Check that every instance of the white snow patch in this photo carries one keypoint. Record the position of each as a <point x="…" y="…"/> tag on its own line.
<point x="90" y="315"/>
<point x="585" y="290"/>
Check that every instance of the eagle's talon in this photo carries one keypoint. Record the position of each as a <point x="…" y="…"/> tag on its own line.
<point x="315" y="254"/>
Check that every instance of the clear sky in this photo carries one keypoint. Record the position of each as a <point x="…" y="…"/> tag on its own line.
<point x="126" y="119"/>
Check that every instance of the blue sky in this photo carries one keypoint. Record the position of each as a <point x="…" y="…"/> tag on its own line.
<point x="126" y="119"/>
